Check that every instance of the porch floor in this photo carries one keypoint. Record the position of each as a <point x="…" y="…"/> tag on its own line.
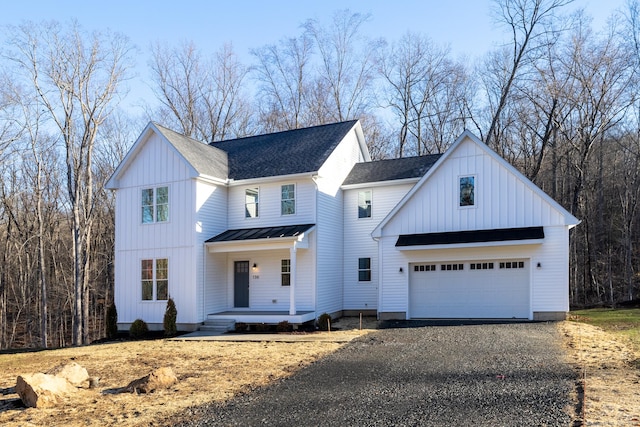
<point x="263" y="316"/>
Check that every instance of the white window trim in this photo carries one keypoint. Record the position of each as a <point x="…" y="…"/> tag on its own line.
<point x="154" y="280"/>
<point x="155" y="205"/>
<point x="358" y="204"/>
<point x="282" y="272"/>
<point x="295" y="199"/>
<point x="245" y="203"/>
<point x="475" y="191"/>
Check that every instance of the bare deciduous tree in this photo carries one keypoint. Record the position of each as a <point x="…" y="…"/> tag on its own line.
<point x="527" y="21"/>
<point x="284" y="83"/>
<point x="200" y="98"/>
<point x="77" y="78"/>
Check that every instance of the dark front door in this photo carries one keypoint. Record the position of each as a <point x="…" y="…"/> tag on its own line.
<point x="241" y="284"/>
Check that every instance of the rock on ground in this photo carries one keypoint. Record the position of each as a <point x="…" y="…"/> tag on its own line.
<point x="42" y="390"/>
<point x="161" y="378"/>
<point x="72" y="372"/>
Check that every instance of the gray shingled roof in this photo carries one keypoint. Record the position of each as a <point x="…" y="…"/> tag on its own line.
<point x="207" y="160"/>
<point x="283" y="153"/>
<point x="391" y="169"/>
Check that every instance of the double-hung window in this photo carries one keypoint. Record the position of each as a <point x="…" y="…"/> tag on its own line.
<point x="285" y="272"/>
<point x="364" y="204"/>
<point x="251" y="203"/>
<point x="155" y="279"/>
<point x="155" y="205"/>
<point x="288" y="201"/>
<point x="364" y="269"/>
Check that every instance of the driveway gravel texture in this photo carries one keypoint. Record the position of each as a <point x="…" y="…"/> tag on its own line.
<point x="409" y="374"/>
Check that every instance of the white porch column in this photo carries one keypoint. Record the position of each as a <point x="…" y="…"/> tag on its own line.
<point x="292" y="280"/>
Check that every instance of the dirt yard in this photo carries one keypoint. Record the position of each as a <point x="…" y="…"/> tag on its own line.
<point x="610" y="370"/>
<point x="207" y="371"/>
<point x="215" y="371"/>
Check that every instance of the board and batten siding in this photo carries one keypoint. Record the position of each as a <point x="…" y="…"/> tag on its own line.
<point x="549" y="283"/>
<point x="211" y="274"/>
<point x="358" y="242"/>
<point x="330" y="227"/>
<point x="502" y="199"/>
<point x="157" y="164"/>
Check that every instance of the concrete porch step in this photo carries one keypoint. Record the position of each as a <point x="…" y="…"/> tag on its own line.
<point x="218" y="325"/>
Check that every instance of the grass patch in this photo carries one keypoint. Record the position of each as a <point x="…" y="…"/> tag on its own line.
<point x="624" y="322"/>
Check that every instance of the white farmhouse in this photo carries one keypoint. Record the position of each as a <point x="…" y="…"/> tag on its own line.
<point x="290" y="225"/>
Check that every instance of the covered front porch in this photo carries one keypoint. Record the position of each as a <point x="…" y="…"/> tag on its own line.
<point x="270" y="275"/>
<point x="263" y="316"/>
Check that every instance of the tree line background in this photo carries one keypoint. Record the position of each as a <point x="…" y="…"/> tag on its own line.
<point x="560" y="101"/>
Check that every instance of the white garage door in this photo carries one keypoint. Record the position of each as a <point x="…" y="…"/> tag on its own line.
<point x="497" y="289"/>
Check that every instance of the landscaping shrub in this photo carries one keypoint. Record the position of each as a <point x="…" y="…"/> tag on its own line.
<point x="138" y="329"/>
<point x="241" y="327"/>
<point x="324" y="322"/>
<point x="111" y="322"/>
<point x="284" y="326"/>
<point x="262" y="327"/>
<point x="169" y="321"/>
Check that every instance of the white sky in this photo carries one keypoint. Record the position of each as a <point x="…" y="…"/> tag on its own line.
<point x="465" y="25"/>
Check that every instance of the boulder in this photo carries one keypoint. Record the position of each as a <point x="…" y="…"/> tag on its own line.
<point x="161" y="378"/>
<point x="72" y="372"/>
<point x="42" y="390"/>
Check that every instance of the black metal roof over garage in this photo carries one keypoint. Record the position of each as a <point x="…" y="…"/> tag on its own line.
<point x="261" y="233"/>
<point x="471" y="236"/>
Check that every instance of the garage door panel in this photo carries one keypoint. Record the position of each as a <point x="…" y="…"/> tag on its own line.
<point x="482" y="289"/>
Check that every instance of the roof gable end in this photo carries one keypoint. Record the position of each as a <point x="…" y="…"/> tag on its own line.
<point x="569" y="219"/>
<point x="200" y="158"/>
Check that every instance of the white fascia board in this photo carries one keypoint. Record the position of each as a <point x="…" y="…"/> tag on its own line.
<point x="570" y="220"/>
<point x="471" y="245"/>
<point x="310" y="175"/>
<point x="381" y="183"/>
<point x="361" y="141"/>
<point x="300" y="241"/>
<point x="113" y="181"/>
<point x="212" y="179"/>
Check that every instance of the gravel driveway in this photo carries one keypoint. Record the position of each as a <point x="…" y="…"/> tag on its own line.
<point x="475" y="375"/>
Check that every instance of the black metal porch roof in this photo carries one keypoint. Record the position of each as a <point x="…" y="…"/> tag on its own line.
<point x="261" y="233"/>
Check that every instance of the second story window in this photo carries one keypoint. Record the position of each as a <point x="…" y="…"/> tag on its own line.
<point x="251" y="203"/>
<point x="288" y="203"/>
<point x="364" y="204"/>
<point x="155" y="205"/>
